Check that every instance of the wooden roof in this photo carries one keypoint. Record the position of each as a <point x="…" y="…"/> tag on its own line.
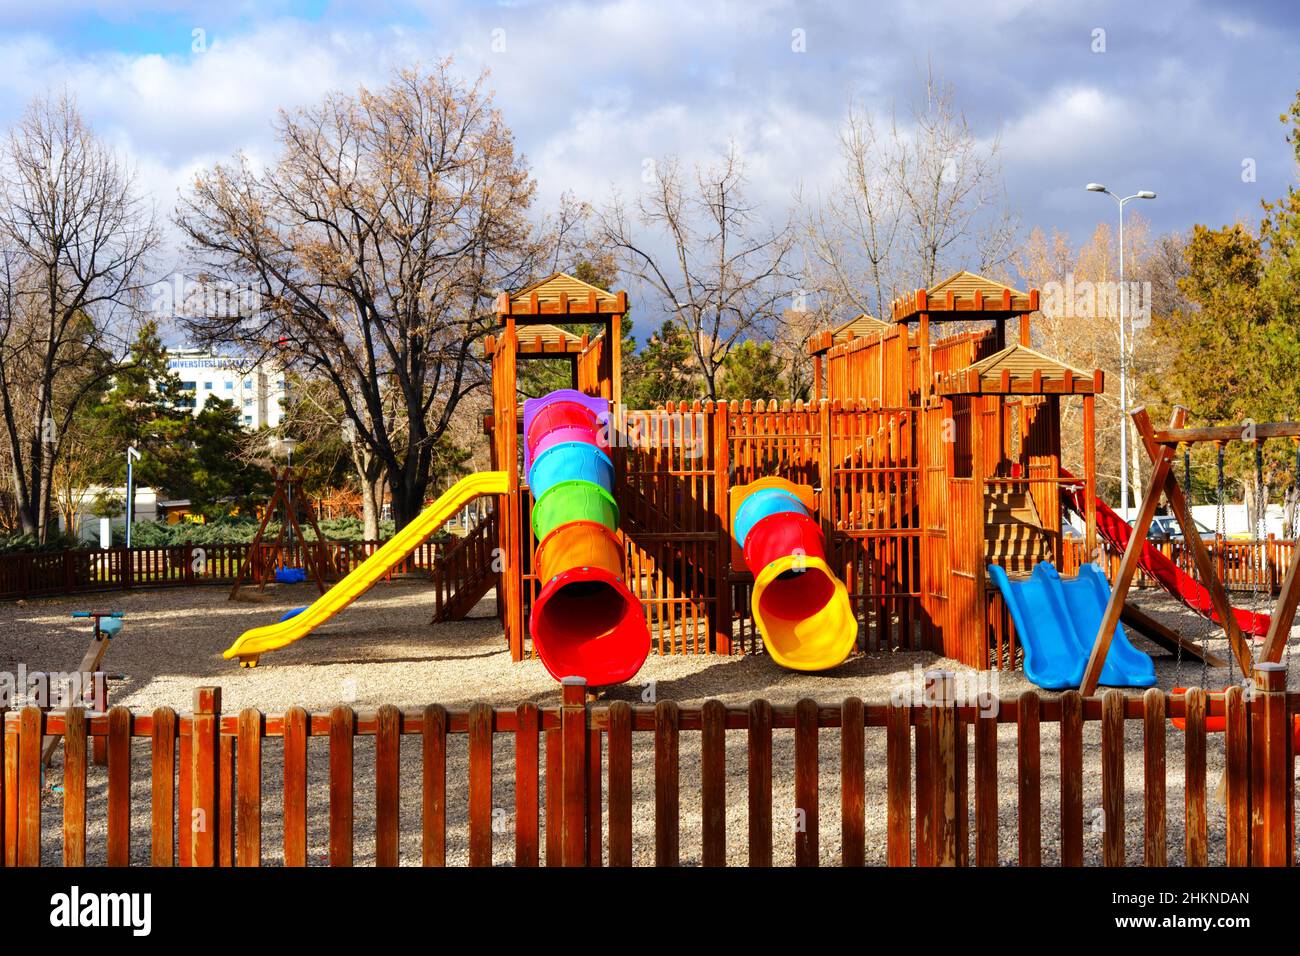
<point x="860" y="326"/>
<point x="544" y="339"/>
<point x="1021" y="370"/>
<point x="963" y="293"/>
<point x="561" y="294"/>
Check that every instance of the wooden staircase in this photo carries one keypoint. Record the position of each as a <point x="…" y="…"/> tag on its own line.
<point x="463" y="574"/>
<point x="1014" y="537"/>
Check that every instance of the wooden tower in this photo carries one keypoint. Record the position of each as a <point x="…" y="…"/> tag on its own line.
<point x="529" y="320"/>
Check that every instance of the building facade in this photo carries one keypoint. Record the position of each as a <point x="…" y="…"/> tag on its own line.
<point x="258" y="392"/>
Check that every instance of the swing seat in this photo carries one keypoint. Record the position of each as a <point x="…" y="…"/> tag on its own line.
<point x="290" y="575"/>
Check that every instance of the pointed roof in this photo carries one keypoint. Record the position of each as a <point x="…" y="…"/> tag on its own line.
<point x="966" y="292"/>
<point x="1021" y="370"/>
<point x="544" y="339"/>
<point x="860" y="326"/>
<point x="856" y="327"/>
<point x="561" y="294"/>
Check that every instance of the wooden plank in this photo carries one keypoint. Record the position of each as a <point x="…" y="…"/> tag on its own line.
<point x="1029" y="785"/>
<point x="1237" y="768"/>
<point x="480" y="785"/>
<point x="119" y="787"/>
<point x="898" y="773"/>
<point x="29" y="786"/>
<point x="1284" y="610"/>
<point x="853" y="782"/>
<point x="1194" y="768"/>
<point x="434" y="769"/>
<point x="388" y="768"/>
<point x="760" y="783"/>
<point x="1154" y="841"/>
<point x="986" y="789"/>
<point x="1112" y="777"/>
<point x="1071" y="778"/>
<point x="946" y="828"/>
<point x="1225" y="433"/>
<point x="806" y="834"/>
<point x="225" y="801"/>
<point x="74" y="789"/>
<point x="554" y="759"/>
<point x="667" y="785"/>
<point x="620" y="783"/>
<point x="526" y="794"/>
<point x="295" y="787"/>
<point x="185" y="822"/>
<point x="248" y="796"/>
<point x="713" y="783"/>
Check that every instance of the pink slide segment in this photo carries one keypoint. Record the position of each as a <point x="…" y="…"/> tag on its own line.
<point x="1169" y="575"/>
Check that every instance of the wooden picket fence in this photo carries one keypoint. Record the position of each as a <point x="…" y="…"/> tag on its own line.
<point x="572" y="777"/>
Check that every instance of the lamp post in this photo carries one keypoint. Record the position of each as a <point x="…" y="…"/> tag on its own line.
<point x="132" y="456"/>
<point x="1123" y="348"/>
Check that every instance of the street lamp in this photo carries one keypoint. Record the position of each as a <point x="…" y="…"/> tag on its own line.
<point x="1123" y="353"/>
<point x="132" y="456"/>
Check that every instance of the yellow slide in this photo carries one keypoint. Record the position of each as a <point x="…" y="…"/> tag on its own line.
<point x="254" y="642"/>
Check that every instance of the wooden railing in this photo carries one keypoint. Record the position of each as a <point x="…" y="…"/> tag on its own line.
<point x="40" y="574"/>
<point x="576" y="785"/>
<point x="1243" y="565"/>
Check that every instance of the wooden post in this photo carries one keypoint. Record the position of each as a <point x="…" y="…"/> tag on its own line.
<point x="1270" y="745"/>
<point x="573" y="772"/>
<point x="1129" y="565"/>
<point x="1090" y="474"/>
<point x="722" y="613"/>
<point x="205" y="726"/>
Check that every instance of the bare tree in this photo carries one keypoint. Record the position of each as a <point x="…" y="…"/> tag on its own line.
<point x="377" y="241"/>
<point x="913" y="201"/>
<point x="724" y="271"/>
<point x="75" y="237"/>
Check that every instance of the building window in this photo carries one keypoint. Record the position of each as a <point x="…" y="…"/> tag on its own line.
<point x="248" y="383"/>
<point x="248" y="419"/>
<point x="248" y="403"/>
<point x="189" y="386"/>
<point x="230" y="386"/>
<point x="207" y="386"/>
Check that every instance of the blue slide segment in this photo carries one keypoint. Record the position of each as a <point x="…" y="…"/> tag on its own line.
<point x="1057" y="619"/>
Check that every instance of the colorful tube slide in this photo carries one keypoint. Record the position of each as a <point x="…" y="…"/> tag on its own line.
<point x="302" y="621"/>
<point x="585" y="622"/>
<point x="1165" y="572"/>
<point x="801" y="608"/>
<point x="1057" y="620"/>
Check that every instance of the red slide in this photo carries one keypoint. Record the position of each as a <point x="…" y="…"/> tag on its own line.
<point x="1171" y="577"/>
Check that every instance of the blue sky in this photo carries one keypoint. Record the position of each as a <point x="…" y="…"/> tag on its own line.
<point x="1184" y="92"/>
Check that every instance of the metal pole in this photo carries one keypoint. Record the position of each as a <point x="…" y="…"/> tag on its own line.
<point x="131" y="456"/>
<point x="1123" y="376"/>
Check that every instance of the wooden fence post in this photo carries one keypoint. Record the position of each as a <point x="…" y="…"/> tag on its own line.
<point x="205" y="726"/>
<point x="1270" y="745"/>
<point x="945" y="827"/>
<point x="573" y="772"/>
<point x="722" y="611"/>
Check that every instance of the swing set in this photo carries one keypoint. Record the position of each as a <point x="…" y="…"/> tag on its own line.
<point x="1162" y="448"/>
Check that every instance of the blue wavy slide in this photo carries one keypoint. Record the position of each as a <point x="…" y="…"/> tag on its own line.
<point x="1057" y="619"/>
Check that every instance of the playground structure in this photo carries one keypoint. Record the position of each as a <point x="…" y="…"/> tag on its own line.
<point x="923" y="478"/>
<point x="926" y="457"/>
<point x="259" y="566"/>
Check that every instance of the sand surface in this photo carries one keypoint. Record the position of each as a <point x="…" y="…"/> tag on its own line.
<point x="384" y="650"/>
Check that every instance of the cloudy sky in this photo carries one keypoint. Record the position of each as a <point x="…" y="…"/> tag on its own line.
<point x="1182" y="95"/>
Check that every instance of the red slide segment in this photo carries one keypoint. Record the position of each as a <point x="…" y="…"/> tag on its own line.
<point x="1169" y="575"/>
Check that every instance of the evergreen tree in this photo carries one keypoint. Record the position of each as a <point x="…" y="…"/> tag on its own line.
<point x="752" y="371"/>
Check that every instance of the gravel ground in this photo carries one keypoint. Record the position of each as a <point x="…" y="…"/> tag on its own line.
<point x="385" y="651"/>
